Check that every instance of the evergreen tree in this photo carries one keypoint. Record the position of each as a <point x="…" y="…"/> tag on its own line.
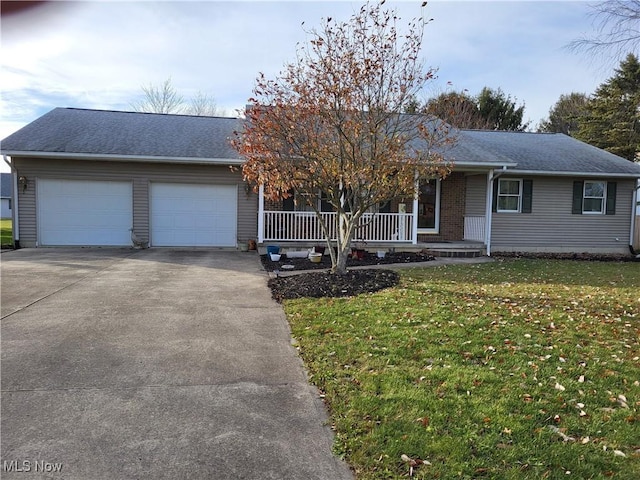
<point x="612" y="119"/>
<point x="500" y="111"/>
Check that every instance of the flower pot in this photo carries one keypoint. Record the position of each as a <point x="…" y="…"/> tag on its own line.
<point x="381" y="253"/>
<point x="275" y="257"/>
<point x="315" y="257"/>
<point x="357" y="254"/>
<point x="273" y="249"/>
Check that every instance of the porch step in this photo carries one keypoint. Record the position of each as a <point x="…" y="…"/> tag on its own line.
<point x="454" y="253"/>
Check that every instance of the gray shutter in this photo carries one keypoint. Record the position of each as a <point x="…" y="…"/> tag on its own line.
<point x="611" y="198"/>
<point x="527" y="195"/>
<point x="494" y="205"/>
<point x="578" y="190"/>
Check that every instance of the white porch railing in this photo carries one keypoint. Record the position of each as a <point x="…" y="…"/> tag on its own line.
<point x="305" y="226"/>
<point x="474" y="228"/>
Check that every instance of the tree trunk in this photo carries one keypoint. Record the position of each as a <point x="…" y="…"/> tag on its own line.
<point x="343" y="247"/>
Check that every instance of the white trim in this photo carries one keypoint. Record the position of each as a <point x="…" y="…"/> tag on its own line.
<point x="491" y="176"/>
<point x="126" y="158"/>
<point x="603" y="198"/>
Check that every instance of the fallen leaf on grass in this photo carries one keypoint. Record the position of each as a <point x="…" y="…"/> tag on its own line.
<point x="413" y="462"/>
<point x="559" y="387"/>
<point x="565" y="437"/>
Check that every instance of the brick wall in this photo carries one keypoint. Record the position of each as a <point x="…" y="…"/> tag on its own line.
<point x="452" y="204"/>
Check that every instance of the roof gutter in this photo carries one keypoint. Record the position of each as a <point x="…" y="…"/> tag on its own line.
<point x="125" y="158"/>
<point x="15" y="229"/>
<point x="493" y="174"/>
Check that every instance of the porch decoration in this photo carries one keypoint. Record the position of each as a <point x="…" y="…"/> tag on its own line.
<point x="315" y="257"/>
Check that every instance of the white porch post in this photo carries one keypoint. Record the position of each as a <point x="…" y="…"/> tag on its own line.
<point x="488" y="212"/>
<point x="491" y="180"/>
<point x="261" y="213"/>
<point x="414" y="214"/>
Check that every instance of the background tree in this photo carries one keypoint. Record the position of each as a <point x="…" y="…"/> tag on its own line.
<point x="612" y="119"/>
<point x="500" y="110"/>
<point x="164" y="98"/>
<point x="617" y="25"/>
<point x="458" y="109"/>
<point x="332" y="122"/>
<point x="489" y="110"/>
<point x="566" y="114"/>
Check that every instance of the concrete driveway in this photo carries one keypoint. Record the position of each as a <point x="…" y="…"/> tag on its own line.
<point x="152" y="364"/>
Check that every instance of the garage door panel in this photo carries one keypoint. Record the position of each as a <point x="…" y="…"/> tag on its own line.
<point x="193" y="215"/>
<point x="84" y="212"/>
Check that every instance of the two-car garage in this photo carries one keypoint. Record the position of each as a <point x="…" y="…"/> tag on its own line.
<point x="101" y="213"/>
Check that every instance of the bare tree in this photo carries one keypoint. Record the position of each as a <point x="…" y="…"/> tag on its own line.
<point x="617" y="24"/>
<point x="204" y="105"/>
<point x="160" y="99"/>
<point x="164" y="98"/>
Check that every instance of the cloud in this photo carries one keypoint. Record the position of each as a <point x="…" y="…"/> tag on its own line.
<point x="99" y="54"/>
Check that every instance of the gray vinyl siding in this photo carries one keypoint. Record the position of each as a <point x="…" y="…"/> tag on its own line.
<point x="552" y="227"/>
<point x="141" y="175"/>
<point x="476" y="200"/>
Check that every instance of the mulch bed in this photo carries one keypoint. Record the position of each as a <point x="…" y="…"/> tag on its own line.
<point x="326" y="284"/>
<point x="368" y="259"/>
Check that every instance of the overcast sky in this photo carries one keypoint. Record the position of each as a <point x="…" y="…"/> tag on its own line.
<point x="99" y="54"/>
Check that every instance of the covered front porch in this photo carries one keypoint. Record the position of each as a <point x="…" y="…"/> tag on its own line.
<point x="435" y="218"/>
<point x="376" y="228"/>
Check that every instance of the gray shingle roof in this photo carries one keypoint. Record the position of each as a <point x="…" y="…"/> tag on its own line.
<point x="552" y="153"/>
<point x="206" y="139"/>
<point x="5" y="185"/>
<point x="147" y="135"/>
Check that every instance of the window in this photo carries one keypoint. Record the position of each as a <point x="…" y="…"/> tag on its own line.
<point x="297" y="202"/>
<point x="513" y="195"/>
<point x="509" y="195"/>
<point x="594" y="197"/>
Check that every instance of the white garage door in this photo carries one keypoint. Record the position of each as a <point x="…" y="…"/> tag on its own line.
<point x="80" y="212"/>
<point x="193" y="215"/>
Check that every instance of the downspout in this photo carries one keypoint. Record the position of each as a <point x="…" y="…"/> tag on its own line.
<point x="634" y="207"/>
<point x="14" y="198"/>
<point x="493" y="174"/>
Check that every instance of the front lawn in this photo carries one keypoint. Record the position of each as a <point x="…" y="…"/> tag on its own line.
<point x="6" y="238"/>
<point x="507" y="370"/>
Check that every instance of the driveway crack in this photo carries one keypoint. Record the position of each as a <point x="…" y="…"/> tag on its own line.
<point x="67" y="286"/>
